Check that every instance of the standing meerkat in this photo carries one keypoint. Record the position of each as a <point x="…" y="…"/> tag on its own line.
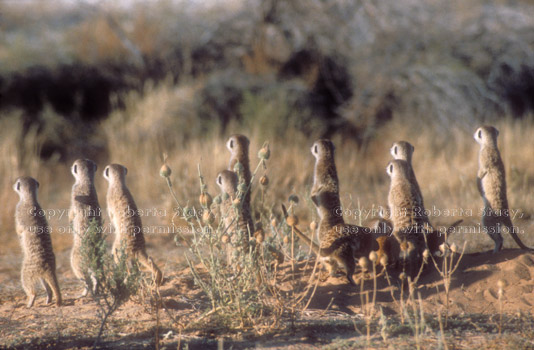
<point x="236" y="220"/>
<point x="126" y="220"/>
<point x="84" y="208"/>
<point x="408" y="226"/>
<point x="238" y="146"/>
<point x="491" y="183"/>
<point x="404" y="150"/>
<point x="324" y="174"/>
<point x="342" y="241"/>
<point x="39" y="262"/>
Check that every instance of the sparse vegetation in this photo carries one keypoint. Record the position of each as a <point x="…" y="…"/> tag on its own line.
<point x="128" y="84"/>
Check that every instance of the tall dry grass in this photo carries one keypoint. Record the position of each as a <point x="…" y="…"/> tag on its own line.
<point x="162" y="121"/>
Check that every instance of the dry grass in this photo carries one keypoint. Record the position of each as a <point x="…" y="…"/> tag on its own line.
<point x="163" y="121"/>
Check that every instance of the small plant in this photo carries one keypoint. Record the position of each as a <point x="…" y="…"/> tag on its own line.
<point x="448" y="267"/>
<point x="117" y="279"/>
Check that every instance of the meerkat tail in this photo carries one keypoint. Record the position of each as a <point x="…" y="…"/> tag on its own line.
<point x="51" y="280"/>
<point x="454" y="225"/>
<point x="147" y="261"/>
<point x="324" y="252"/>
<point x="517" y="240"/>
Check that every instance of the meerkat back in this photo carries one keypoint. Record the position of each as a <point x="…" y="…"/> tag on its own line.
<point x="84" y="211"/>
<point x="126" y="220"/>
<point x="491" y="183"/>
<point x="242" y="220"/>
<point x="39" y="262"/>
<point x="325" y="176"/>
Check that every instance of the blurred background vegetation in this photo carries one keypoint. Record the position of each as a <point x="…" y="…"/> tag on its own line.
<point x="126" y="81"/>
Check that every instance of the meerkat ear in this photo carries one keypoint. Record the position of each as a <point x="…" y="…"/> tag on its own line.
<point x="95" y="167"/>
<point x="315" y="200"/>
<point x="37" y="183"/>
<point x="496" y="132"/>
<point x="125" y="170"/>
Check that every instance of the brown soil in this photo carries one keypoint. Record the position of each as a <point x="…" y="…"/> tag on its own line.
<point x="334" y="318"/>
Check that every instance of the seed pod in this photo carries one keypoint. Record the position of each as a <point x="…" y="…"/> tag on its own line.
<point x="238" y="168"/>
<point x="259" y="235"/>
<point x="165" y="171"/>
<point x="294" y="198"/>
<point x="274" y="223"/>
<point x="225" y="196"/>
<point x="264" y="180"/>
<point x="208" y="217"/>
<point x="426" y="253"/>
<point x="286" y="240"/>
<point x="384" y="260"/>
<point x="205" y="199"/>
<point x="313" y="225"/>
<point x="364" y="263"/>
<point x="225" y="239"/>
<point x="236" y="201"/>
<point x="264" y="152"/>
<point x="292" y="220"/>
<point x="402" y="276"/>
<point x="454" y="248"/>
<point x="242" y="188"/>
<point x="373" y="256"/>
<point x="217" y="200"/>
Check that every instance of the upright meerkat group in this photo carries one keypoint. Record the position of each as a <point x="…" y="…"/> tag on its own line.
<point x="84" y="213"/>
<point x="340" y="243"/>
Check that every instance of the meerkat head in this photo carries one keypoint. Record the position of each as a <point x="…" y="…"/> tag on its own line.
<point x="237" y="143"/>
<point x="486" y="135"/>
<point x="397" y="167"/>
<point x="227" y="181"/>
<point x="26" y="187"/>
<point x="83" y="169"/>
<point x="402" y="150"/>
<point x="323" y="148"/>
<point x="115" y="173"/>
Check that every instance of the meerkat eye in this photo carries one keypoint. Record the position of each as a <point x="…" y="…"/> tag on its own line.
<point x="479" y="133"/>
<point x="390" y="169"/>
<point x="315" y="149"/>
<point x="231" y="143"/>
<point x="219" y="180"/>
<point x="18" y="185"/>
<point x="106" y="172"/>
<point x="395" y="150"/>
<point x="75" y="169"/>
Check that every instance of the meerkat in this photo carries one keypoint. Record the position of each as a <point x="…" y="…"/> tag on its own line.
<point x="238" y="146"/>
<point x="228" y="182"/>
<point x="491" y="183"/>
<point x="404" y="150"/>
<point x="84" y="208"/>
<point x="126" y="220"/>
<point x="344" y="242"/>
<point x="324" y="174"/>
<point x="39" y="262"/>
<point x="408" y="226"/>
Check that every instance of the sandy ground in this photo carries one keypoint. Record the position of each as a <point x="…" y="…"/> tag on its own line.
<point x="334" y="318"/>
